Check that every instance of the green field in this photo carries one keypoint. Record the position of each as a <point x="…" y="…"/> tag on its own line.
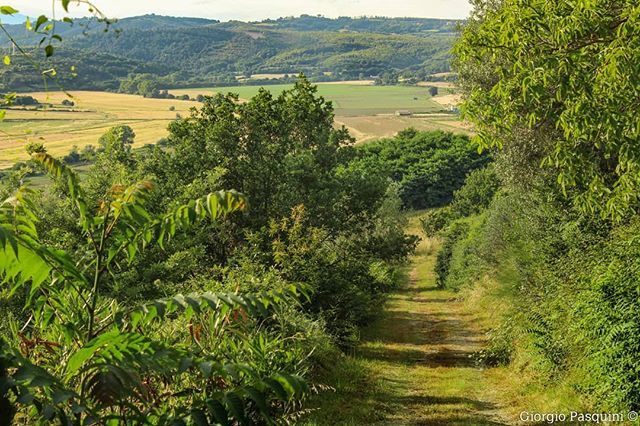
<point x="349" y="100"/>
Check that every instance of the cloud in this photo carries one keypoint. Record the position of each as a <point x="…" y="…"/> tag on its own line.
<point x="262" y="9"/>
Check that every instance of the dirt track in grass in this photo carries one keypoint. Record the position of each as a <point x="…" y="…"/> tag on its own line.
<point x="415" y="364"/>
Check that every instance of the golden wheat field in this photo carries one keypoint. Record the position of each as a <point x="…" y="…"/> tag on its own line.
<point x="60" y="128"/>
<point x="93" y="114"/>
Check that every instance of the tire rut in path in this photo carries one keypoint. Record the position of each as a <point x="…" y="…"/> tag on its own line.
<point x="423" y="349"/>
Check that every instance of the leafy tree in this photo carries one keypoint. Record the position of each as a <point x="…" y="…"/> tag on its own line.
<point x="73" y="156"/>
<point x="298" y="172"/>
<point x="429" y="166"/>
<point x="557" y="81"/>
<point x="148" y="88"/>
<point x="279" y="151"/>
<point x="116" y="143"/>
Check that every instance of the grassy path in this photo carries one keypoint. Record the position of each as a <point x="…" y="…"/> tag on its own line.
<point x="415" y="365"/>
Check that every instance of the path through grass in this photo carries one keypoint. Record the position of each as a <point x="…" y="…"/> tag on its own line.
<point x="415" y="365"/>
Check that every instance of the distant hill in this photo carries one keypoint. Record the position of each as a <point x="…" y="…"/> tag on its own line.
<point x="413" y="26"/>
<point x="194" y="51"/>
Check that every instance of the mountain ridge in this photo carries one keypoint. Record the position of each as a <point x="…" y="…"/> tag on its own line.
<point x="188" y="51"/>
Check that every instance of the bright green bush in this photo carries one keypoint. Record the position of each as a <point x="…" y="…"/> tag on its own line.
<point x="571" y="287"/>
<point x="608" y="315"/>
<point x="435" y="220"/>
<point x="455" y="232"/>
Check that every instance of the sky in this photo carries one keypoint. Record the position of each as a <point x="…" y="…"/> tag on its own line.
<point x="255" y="10"/>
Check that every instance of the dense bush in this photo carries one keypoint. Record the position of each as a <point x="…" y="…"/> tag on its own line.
<point x="285" y="155"/>
<point x="571" y="288"/>
<point x="475" y="195"/>
<point x="555" y="253"/>
<point x="455" y="232"/>
<point x="429" y="166"/>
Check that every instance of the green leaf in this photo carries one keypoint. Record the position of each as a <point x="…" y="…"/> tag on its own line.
<point x="277" y="388"/>
<point x="65" y="5"/>
<point x="77" y="360"/>
<point x="48" y="50"/>
<point x="259" y="399"/>
<point x="59" y="396"/>
<point x="40" y="22"/>
<point x="217" y="410"/>
<point x="7" y="10"/>
<point x="199" y="418"/>
<point x="236" y="407"/>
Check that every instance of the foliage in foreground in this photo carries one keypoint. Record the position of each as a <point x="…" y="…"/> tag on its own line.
<point x="81" y="357"/>
<point x="557" y="83"/>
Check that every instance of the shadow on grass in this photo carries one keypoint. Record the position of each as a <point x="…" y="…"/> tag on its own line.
<point x="372" y="387"/>
<point x="443" y="358"/>
<point x="416" y="328"/>
<point x="358" y="400"/>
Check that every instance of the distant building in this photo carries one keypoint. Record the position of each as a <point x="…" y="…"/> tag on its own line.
<point x="403" y="113"/>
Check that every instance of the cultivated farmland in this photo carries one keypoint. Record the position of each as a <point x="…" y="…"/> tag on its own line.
<point x="348" y="99"/>
<point x="367" y="111"/>
<point x="59" y="128"/>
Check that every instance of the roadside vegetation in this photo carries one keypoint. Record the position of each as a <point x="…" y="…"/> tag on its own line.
<point x="551" y="249"/>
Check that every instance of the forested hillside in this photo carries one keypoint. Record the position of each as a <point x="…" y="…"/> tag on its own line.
<point x="186" y="51"/>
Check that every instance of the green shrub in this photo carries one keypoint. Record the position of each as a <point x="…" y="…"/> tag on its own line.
<point x="608" y="314"/>
<point x="456" y="231"/>
<point x="475" y="195"/>
<point x="435" y="220"/>
<point x="571" y="287"/>
<point x="478" y="191"/>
